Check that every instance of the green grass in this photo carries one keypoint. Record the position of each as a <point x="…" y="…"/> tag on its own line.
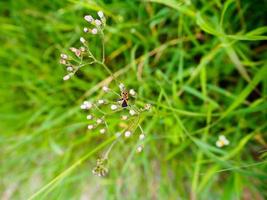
<point x="201" y="65"/>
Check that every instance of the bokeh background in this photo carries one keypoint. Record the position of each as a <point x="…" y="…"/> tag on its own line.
<point x="201" y="64"/>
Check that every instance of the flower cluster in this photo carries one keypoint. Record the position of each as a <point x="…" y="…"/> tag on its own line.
<point x="82" y="55"/>
<point x="100" y="112"/>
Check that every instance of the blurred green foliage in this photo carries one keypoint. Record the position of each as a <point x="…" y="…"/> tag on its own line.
<point x="201" y="64"/>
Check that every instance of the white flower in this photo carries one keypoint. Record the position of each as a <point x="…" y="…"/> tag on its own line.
<point x="121" y="86"/>
<point x="101" y="101"/>
<point x="85" y="29"/>
<point x="88" y="18"/>
<point x="86" y="105"/>
<point x="97" y="22"/>
<point x="82" y="40"/>
<point x="63" y="56"/>
<point x="139" y="149"/>
<point x="124" y="117"/>
<point x="69" y="68"/>
<point x="90" y="126"/>
<point x="89" y="117"/>
<point x="100" y="14"/>
<point x="113" y="107"/>
<point x="105" y="88"/>
<point x="127" y="133"/>
<point x="132" y="112"/>
<point x="132" y="92"/>
<point x="82" y="49"/>
<point x="94" y="31"/>
<point x="99" y="121"/>
<point x="141" y="136"/>
<point x="222" y="141"/>
<point x="67" y="77"/>
<point x="102" y="131"/>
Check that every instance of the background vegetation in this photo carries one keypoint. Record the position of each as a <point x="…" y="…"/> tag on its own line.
<point x="201" y="64"/>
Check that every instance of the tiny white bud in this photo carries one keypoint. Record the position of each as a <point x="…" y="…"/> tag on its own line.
<point x="63" y="56"/>
<point x="82" y="40"/>
<point x="124" y="117"/>
<point x="132" y="112"/>
<point x="86" y="105"/>
<point x="100" y="14"/>
<point x="89" y="117"/>
<point x="121" y="86"/>
<point x="90" y="126"/>
<point x="127" y="133"/>
<point x="141" y="136"/>
<point x="132" y="92"/>
<point x="102" y="131"/>
<point x="105" y="88"/>
<point x="139" y="149"/>
<point x="85" y="30"/>
<point x="67" y="77"/>
<point x="99" y="121"/>
<point x="97" y="22"/>
<point x="69" y="68"/>
<point x="88" y="18"/>
<point x="113" y="107"/>
<point x="83" y="107"/>
<point x="82" y="48"/>
<point x="101" y="101"/>
<point x="94" y="31"/>
<point x="147" y="106"/>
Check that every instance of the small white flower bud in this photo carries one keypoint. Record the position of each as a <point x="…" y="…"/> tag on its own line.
<point x="97" y="22"/>
<point x="94" y="31"/>
<point x="127" y="133"/>
<point x="69" y="68"/>
<point x="89" y="117"/>
<point x="82" y="40"/>
<point x="90" y="126"/>
<point x="121" y="86"/>
<point x="124" y="117"/>
<point x="147" y="106"/>
<point x="102" y="131"/>
<point x="113" y="107"/>
<point x="88" y="18"/>
<point x="141" y="136"/>
<point x="132" y="112"/>
<point x="85" y="30"/>
<point x="82" y="49"/>
<point x="63" y="62"/>
<point x="86" y="105"/>
<point x="100" y="14"/>
<point x="67" y="77"/>
<point x="105" y="88"/>
<point x="101" y="101"/>
<point x="64" y="56"/>
<point x="99" y="121"/>
<point x="132" y="92"/>
<point x="139" y="149"/>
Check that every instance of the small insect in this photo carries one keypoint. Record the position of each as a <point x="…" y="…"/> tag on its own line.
<point x="124" y="98"/>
